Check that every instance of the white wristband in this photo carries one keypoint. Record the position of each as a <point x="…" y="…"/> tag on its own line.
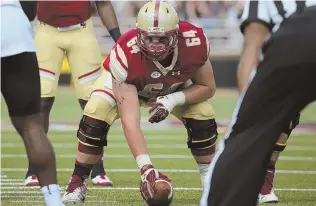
<point x="178" y="98"/>
<point x="143" y="160"/>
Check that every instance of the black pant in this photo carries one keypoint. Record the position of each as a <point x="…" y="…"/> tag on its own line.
<point x="20" y="84"/>
<point x="285" y="83"/>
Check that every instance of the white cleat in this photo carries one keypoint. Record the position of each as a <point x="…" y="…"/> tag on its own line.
<point x="268" y="198"/>
<point x="76" y="191"/>
<point x="31" y="181"/>
<point x="102" y="180"/>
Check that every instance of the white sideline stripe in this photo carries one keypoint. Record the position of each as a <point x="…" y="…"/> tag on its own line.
<point x="137" y="188"/>
<point x="309" y="172"/>
<point x="123" y="156"/>
<point x="3" y="176"/>
<point x="124" y="145"/>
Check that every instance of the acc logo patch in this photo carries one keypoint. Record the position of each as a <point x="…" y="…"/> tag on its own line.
<point x="155" y="75"/>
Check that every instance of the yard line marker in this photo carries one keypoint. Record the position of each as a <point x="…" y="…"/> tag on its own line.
<point x="306" y="172"/>
<point x="157" y="156"/>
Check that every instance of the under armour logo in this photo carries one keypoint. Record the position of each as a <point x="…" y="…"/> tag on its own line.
<point x="175" y="73"/>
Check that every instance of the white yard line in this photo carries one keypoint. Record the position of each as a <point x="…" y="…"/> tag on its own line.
<point x="30" y="196"/>
<point x="157" y="156"/>
<point x="11" y="180"/>
<point x="137" y="188"/>
<point x="305" y="172"/>
<point x="158" y="146"/>
<point x="85" y="202"/>
<point x="111" y="138"/>
<point x="113" y="145"/>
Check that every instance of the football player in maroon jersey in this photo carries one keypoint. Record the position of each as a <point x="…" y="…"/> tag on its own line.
<point x="162" y="64"/>
<point x="65" y="28"/>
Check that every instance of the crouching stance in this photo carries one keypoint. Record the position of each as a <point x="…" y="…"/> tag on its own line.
<point x="163" y="64"/>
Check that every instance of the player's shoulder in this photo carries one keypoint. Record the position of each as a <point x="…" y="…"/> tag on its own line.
<point x="129" y="35"/>
<point x="193" y="40"/>
<point x="127" y="44"/>
<point x="124" y="56"/>
<point x="185" y="26"/>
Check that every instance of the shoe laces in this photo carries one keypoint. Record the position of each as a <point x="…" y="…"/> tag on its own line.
<point x="76" y="182"/>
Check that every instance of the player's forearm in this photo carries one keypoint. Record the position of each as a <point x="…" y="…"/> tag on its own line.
<point x="254" y="34"/>
<point x="108" y="18"/>
<point x="198" y="93"/>
<point x="249" y="59"/>
<point x="135" y="139"/>
<point x="190" y="95"/>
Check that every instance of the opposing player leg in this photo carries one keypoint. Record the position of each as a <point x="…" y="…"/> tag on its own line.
<point x="85" y="60"/>
<point x="50" y="58"/>
<point x="20" y="86"/>
<point x="201" y="127"/>
<point x="267" y="194"/>
<point x="99" y="114"/>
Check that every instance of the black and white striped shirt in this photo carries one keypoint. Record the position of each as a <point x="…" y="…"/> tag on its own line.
<point x="271" y="13"/>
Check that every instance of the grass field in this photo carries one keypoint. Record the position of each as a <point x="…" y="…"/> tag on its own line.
<point x="295" y="180"/>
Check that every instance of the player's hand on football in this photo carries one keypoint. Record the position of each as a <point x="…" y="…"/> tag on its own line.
<point x="149" y="176"/>
<point x="160" y="109"/>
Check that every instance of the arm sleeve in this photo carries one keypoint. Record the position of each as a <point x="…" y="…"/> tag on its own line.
<point x="256" y="11"/>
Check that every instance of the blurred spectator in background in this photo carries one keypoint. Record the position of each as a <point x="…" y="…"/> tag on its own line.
<point x="208" y="14"/>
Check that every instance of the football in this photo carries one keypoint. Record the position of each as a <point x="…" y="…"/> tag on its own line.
<point x="162" y="193"/>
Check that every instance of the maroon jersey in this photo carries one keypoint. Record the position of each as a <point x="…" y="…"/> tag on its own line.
<point x="126" y="63"/>
<point x="63" y="13"/>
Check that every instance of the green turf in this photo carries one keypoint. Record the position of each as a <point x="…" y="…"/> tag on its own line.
<point x="66" y="107"/>
<point x="162" y="142"/>
<point x="131" y="179"/>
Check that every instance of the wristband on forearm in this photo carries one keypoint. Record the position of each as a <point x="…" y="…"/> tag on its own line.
<point x="115" y="33"/>
<point x="177" y="98"/>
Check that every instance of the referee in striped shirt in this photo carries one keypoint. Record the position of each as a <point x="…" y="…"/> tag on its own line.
<point x="283" y="83"/>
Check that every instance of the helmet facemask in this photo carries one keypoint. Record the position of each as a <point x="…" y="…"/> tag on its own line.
<point x="157" y="44"/>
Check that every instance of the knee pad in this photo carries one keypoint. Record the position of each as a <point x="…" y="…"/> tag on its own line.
<point x="93" y="132"/>
<point x="293" y="124"/>
<point x="202" y="136"/>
